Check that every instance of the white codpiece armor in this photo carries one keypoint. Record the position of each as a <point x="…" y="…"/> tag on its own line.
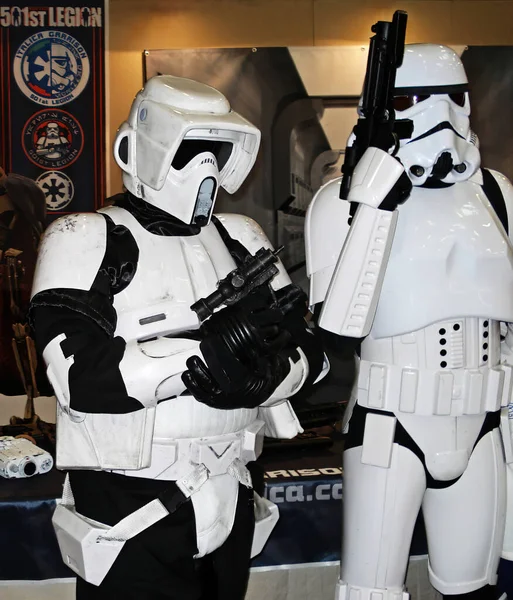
<point x="428" y="293"/>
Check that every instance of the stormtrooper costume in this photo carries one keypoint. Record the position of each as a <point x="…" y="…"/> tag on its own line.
<point x="159" y="419"/>
<point x="52" y="145"/>
<point x="422" y="288"/>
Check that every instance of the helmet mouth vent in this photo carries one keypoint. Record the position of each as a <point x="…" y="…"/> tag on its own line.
<point x="204" y="202"/>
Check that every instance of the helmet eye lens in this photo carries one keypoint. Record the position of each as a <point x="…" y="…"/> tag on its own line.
<point x="123" y="150"/>
<point x="189" y="149"/>
<point x="405" y="102"/>
<point x="458" y="99"/>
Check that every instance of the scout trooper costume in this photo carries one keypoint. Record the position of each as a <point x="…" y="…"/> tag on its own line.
<point x="425" y="286"/>
<point x="120" y="356"/>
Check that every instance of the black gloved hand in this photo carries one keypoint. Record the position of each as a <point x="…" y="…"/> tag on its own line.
<point x="227" y="382"/>
<point x="258" y="323"/>
<point x="384" y="139"/>
<point x="246" y="349"/>
<point x="292" y="300"/>
<point x="399" y="193"/>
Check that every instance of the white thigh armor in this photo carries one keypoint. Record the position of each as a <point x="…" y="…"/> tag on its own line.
<point x="90" y="548"/>
<point x="384" y="488"/>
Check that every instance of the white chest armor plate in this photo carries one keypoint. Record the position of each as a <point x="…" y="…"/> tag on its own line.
<point x="174" y="435"/>
<point x="172" y="273"/>
<point x="450" y="259"/>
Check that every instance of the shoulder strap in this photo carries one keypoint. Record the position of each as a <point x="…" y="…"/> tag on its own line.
<point x="149" y="514"/>
<point x="238" y="252"/>
<point x="494" y="194"/>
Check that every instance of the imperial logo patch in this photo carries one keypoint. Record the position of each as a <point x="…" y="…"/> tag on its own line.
<point x="52" y="139"/>
<point x="51" y="68"/>
<point x="57" y="188"/>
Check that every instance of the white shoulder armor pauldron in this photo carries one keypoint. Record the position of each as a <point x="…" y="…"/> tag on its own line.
<point x="249" y="233"/>
<point x="325" y="232"/>
<point x="71" y="253"/>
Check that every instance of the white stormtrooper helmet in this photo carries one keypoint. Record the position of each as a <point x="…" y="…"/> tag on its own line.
<point x="52" y="130"/>
<point x="432" y="90"/>
<point x="182" y="141"/>
<point x="63" y="70"/>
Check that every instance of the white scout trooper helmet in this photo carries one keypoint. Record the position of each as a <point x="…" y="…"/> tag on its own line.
<point x="431" y="89"/>
<point x="180" y="142"/>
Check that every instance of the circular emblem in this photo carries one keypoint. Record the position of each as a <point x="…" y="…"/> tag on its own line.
<point x="51" y="68"/>
<point x="57" y="188"/>
<point x="52" y="139"/>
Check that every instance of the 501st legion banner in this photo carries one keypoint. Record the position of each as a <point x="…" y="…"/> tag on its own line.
<point x="52" y="112"/>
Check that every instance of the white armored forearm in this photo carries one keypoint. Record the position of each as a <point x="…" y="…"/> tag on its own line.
<point x="152" y="371"/>
<point x="292" y="383"/>
<point x="57" y="370"/>
<point x="353" y="293"/>
<point x="277" y="413"/>
<point x="374" y="177"/>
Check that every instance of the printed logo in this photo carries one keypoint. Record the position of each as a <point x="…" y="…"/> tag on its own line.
<point x="51" y="68"/>
<point x="51" y="16"/>
<point x="52" y="139"/>
<point x="57" y="188"/>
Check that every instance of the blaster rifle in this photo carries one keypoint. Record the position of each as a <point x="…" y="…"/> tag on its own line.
<point x="351" y="299"/>
<point x="377" y="125"/>
<point x="64" y="148"/>
<point x="257" y="270"/>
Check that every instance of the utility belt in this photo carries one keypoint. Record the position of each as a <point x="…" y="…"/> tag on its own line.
<point x="90" y="548"/>
<point x="171" y="459"/>
<point x="447" y="392"/>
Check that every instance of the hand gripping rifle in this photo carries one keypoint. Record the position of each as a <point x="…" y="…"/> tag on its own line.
<point x="377" y="126"/>
<point x="253" y="271"/>
<point x="352" y="297"/>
